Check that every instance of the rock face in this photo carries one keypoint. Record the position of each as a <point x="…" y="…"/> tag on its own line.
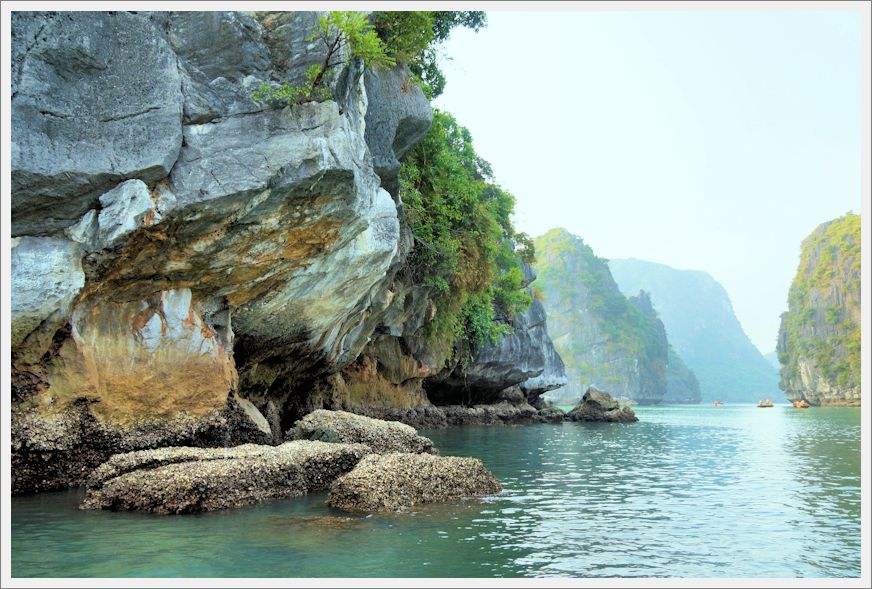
<point x="703" y="329"/>
<point x="682" y="387"/>
<point x="341" y="426"/>
<point x="188" y="480"/>
<point x="509" y="408"/>
<point x="96" y="100"/>
<point x="603" y="338"/>
<point x="392" y="482"/>
<point x="819" y="339"/>
<point x="524" y="357"/>
<point x="396" y="121"/>
<point x="598" y="405"/>
<point x="55" y="450"/>
<point x="190" y="267"/>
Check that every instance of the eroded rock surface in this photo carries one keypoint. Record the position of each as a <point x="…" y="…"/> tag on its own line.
<point x="391" y="482"/>
<point x="188" y="480"/>
<point x="341" y="426"/>
<point x="96" y="100"/>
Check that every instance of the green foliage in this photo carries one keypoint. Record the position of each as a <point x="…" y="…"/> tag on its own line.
<point x="829" y="271"/>
<point x="286" y="93"/>
<point x="336" y="30"/>
<point x="412" y="37"/>
<point x="444" y="21"/>
<point x="464" y="239"/>
<point x="354" y="30"/>
<point x="406" y="34"/>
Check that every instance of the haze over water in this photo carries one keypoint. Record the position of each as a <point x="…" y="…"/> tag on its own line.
<point x="689" y="491"/>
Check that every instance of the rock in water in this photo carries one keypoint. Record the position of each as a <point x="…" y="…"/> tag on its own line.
<point x="391" y="482"/>
<point x="188" y="480"/>
<point x="598" y="405"/>
<point x="341" y="426"/>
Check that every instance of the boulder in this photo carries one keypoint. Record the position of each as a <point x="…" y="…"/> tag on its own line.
<point x="188" y="480"/>
<point x="391" y="482"/>
<point x="255" y="417"/>
<point x="341" y="426"/>
<point x="596" y="405"/>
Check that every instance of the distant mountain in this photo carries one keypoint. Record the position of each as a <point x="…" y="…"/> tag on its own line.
<point x="606" y="340"/>
<point x="772" y="357"/>
<point x="703" y="329"/>
<point x="819" y="339"/>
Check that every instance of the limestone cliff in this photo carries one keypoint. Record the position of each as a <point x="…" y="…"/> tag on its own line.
<point x="819" y="339"/>
<point x="703" y="329"/>
<point x="604" y="339"/>
<point x="682" y="386"/>
<point x="190" y="266"/>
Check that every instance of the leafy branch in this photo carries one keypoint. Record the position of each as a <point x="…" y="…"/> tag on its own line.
<point x="337" y="30"/>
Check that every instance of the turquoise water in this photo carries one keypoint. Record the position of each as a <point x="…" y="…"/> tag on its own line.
<point x="686" y="492"/>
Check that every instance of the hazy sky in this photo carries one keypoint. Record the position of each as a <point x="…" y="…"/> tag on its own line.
<point x="712" y="141"/>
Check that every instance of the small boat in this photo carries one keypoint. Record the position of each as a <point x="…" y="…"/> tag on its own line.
<point x="801" y="404"/>
<point x="717" y="403"/>
<point x="766" y="403"/>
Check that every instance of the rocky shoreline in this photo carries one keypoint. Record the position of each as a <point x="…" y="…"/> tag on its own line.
<point x="394" y="468"/>
<point x="192" y="267"/>
<point x="76" y="449"/>
<point x="367" y="464"/>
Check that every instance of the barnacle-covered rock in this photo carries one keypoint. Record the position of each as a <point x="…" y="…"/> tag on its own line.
<point x="391" y="482"/>
<point x="187" y="480"/>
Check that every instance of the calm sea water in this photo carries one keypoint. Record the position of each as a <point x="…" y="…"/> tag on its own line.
<point x="686" y="492"/>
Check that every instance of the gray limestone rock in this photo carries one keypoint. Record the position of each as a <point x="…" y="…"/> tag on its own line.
<point x="398" y="117"/>
<point x="286" y="35"/>
<point x="97" y="100"/>
<point x="124" y="209"/>
<point x="46" y="277"/>
<point x="223" y="59"/>
<point x="596" y="405"/>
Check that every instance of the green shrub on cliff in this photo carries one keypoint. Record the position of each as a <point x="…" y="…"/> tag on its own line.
<point x="412" y="37"/>
<point x="466" y="249"/>
<point x="336" y="30"/>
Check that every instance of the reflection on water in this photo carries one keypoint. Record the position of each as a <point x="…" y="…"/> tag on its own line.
<point x="687" y="491"/>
